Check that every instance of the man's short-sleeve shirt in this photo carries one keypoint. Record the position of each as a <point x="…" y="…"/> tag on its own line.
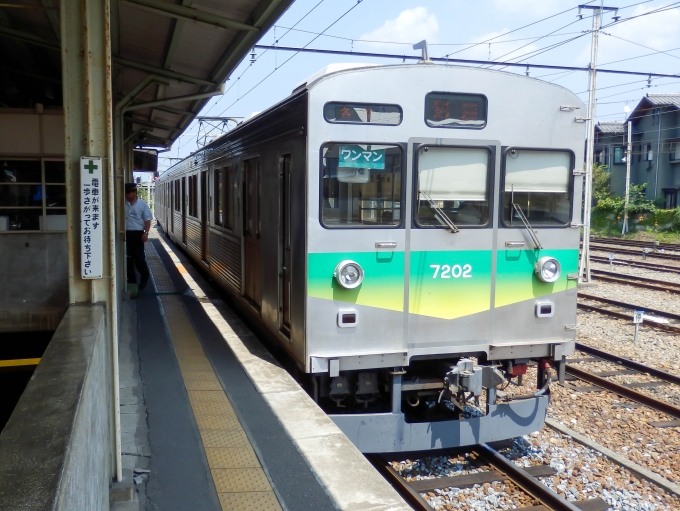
<point x="136" y="214"/>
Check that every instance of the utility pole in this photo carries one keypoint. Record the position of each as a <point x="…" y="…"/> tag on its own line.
<point x="584" y="263"/>
<point x="629" y="156"/>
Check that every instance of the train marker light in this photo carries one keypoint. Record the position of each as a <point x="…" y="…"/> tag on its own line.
<point x="349" y="274"/>
<point x="548" y="269"/>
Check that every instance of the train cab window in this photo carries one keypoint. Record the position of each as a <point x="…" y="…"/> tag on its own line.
<point x="361" y="185"/>
<point x="538" y="183"/>
<point x="453" y="181"/>
<point x="218" y="195"/>
<point x="448" y="110"/>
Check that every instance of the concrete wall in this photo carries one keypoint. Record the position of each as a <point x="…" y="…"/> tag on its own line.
<point x="34" y="278"/>
<point x="55" y="452"/>
<point x="33" y="281"/>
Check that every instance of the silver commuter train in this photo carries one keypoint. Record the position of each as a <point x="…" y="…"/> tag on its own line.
<point x="408" y="235"/>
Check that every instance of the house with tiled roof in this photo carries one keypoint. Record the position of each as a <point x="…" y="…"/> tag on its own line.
<point x="656" y="147"/>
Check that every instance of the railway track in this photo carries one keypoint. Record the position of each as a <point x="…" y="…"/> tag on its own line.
<point x="665" y="268"/>
<point x="655" y="318"/>
<point x="633" y="280"/>
<point x="600" y="381"/>
<point x="651" y="253"/>
<point x="501" y="469"/>
<point x="635" y="243"/>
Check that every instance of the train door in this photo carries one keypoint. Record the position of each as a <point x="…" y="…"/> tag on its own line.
<point x="205" y="220"/>
<point x="285" y="245"/>
<point x="251" y="231"/>
<point x="451" y="242"/>
<point x="184" y="200"/>
<point x="171" y="206"/>
<point x="536" y="244"/>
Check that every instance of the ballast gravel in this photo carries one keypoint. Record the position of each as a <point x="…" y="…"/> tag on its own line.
<point x="641" y="297"/>
<point x="580" y="474"/>
<point x="624" y="269"/>
<point x="654" y="348"/>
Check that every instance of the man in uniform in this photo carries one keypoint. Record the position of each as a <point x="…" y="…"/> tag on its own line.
<point x="137" y="224"/>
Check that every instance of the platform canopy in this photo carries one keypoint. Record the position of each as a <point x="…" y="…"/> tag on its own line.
<point x="174" y="49"/>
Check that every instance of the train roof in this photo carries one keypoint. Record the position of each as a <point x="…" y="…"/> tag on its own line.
<point x="336" y="69"/>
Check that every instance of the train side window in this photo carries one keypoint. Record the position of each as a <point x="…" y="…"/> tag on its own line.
<point x="456" y="181"/>
<point x="229" y="194"/>
<point x="178" y="196"/>
<point x="218" y="194"/>
<point x="361" y="185"/>
<point x="193" y="195"/>
<point x="538" y="182"/>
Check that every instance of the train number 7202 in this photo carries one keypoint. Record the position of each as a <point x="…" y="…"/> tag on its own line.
<point x="456" y="271"/>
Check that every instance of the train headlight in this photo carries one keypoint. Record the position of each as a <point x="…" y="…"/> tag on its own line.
<point x="548" y="269"/>
<point x="348" y="274"/>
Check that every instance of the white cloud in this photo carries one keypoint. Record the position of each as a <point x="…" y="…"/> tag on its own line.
<point x="532" y="7"/>
<point x="411" y="26"/>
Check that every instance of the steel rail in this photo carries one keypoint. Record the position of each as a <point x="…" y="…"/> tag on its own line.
<point x="526" y="481"/>
<point x="657" y="255"/>
<point x="636" y="243"/>
<point x="632" y="280"/>
<point x="630" y="364"/>
<point x="506" y="468"/>
<point x="400" y="484"/>
<point x="631" y="394"/>
<point x="638" y="264"/>
<point x="630" y="306"/>
<point x="621" y="315"/>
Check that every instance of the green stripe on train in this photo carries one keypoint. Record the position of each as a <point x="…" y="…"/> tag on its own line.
<point x="383" y="284"/>
<point x="515" y="280"/>
<point x="442" y="284"/>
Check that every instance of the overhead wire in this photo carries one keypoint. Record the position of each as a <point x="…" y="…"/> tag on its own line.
<point x="515" y="30"/>
<point x="293" y="56"/>
<point x="247" y="68"/>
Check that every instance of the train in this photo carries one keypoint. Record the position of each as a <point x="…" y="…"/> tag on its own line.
<point x="407" y="235"/>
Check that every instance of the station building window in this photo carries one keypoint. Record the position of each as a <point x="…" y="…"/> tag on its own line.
<point x="361" y="185"/>
<point x="537" y="182"/>
<point x="453" y="182"/>
<point x="32" y="195"/>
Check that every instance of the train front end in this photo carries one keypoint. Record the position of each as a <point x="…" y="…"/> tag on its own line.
<point x="442" y="251"/>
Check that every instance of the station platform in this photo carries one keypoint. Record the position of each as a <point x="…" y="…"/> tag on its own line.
<point x="210" y="420"/>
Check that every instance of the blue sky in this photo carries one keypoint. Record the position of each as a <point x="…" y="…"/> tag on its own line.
<point x="451" y="26"/>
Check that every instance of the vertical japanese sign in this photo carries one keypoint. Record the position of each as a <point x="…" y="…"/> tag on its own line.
<point x="91" y="257"/>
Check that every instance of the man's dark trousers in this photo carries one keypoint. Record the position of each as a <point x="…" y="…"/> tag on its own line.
<point x="134" y="247"/>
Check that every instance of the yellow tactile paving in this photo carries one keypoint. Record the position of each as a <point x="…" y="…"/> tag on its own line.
<point x="231" y="480"/>
<point x="259" y="501"/>
<point x="231" y="457"/>
<point x="239" y="479"/>
<point x="224" y="438"/>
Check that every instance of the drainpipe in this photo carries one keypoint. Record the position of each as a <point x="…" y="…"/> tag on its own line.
<point x="658" y="150"/>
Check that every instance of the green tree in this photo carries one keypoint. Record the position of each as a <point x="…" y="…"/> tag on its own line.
<point x="601" y="182"/>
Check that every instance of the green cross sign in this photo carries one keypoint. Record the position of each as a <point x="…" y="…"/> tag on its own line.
<point x="91" y="167"/>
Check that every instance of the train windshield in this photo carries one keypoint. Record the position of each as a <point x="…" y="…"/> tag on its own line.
<point x="361" y="185"/>
<point x="454" y="180"/>
<point x="538" y="183"/>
